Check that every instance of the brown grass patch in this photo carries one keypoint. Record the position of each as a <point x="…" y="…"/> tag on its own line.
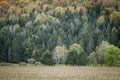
<point x="59" y="73"/>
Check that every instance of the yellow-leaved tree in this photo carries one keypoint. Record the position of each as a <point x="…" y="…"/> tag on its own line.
<point x="59" y="54"/>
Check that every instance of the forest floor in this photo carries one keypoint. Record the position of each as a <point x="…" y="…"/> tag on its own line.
<point x="59" y="73"/>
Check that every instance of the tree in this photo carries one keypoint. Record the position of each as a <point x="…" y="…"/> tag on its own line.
<point x="97" y="57"/>
<point x="101" y="20"/>
<point x="76" y="55"/>
<point x="3" y="2"/>
<point x="13" y="56"/>
<point x="72" y="57"/>
<point x="46" y="58"/>
<point x="59" y="54"/>
<point x="92" y="58"/>
<point x="112" y="56"/>
<point x="4" y="36"/>
<point x="30" y="27"/>
<point x="60" y="9"/>
<point x="115" y="17"/>
<point x="100" y="51"/>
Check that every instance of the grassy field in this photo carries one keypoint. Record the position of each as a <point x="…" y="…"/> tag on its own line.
<point x="59" y="73"/>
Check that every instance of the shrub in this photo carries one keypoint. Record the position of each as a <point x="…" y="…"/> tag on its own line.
<point x="22" y="64"/>
<point x="6" y="64"/>
<point x="38" y="64"/>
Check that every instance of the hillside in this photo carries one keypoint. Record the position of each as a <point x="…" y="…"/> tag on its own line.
<point x="57" y="31"/>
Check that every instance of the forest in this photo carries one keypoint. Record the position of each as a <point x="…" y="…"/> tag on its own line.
<point x="70" y="32"/>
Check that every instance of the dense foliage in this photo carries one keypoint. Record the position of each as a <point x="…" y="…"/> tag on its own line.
<point x="46" y="29"/>
<point x="76" y="55"/>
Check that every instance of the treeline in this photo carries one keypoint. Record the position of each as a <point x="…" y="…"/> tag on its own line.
<point x="70" y="33"/>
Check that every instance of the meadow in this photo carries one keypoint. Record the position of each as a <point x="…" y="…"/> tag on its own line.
<point x="59" y="73"/>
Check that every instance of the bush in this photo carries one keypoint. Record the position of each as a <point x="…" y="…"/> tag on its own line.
<point x="22" y="64"/>
<point x="31" y="60"/>
<point x="6" y="64"/>
<point x="38" y="64"/>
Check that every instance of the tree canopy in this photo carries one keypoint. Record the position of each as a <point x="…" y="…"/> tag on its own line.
<point x="67" y="31"/>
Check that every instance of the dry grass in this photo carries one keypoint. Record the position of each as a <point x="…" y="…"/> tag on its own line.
<point x="59" y="73"/>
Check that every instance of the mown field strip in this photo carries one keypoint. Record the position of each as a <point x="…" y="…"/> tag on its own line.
<point x="59" y="73"/>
